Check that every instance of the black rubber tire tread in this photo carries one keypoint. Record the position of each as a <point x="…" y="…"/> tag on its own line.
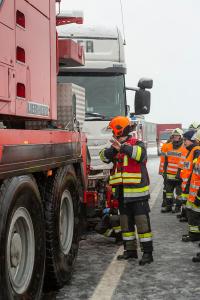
<point x="14" y="193"/>
<point x="59" y="267"/>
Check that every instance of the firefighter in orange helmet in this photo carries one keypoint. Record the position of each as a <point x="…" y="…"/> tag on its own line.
<point x="130" y="183"/>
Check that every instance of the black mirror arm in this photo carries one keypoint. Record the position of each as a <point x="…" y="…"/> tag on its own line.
<point x="132" y="88"/>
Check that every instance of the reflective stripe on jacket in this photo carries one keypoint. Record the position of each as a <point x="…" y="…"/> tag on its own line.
<point x="182" y="158"/>
<point x="195" y="182"/>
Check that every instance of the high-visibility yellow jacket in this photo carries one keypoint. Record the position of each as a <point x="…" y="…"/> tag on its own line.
<point x="129" y="169"/>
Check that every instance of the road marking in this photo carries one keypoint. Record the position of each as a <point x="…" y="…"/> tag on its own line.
<point x="111" y="277"/>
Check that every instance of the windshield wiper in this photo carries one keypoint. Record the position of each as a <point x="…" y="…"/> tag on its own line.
<point x="93" y="115"/>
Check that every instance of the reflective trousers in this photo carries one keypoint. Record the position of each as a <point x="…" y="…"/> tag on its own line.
<point x="169" y="187"/>
<point x="194" y="224"/>
<point x="134" y="218"/>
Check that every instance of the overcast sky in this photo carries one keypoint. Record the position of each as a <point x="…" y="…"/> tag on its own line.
<point x="163" y="42"/>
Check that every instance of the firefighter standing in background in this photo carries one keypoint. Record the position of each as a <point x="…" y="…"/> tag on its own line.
<point x="192" y="145"/>
<point x="130" y="183"/>
<point x="161" y="171"/>
<point x="172" y="156"/>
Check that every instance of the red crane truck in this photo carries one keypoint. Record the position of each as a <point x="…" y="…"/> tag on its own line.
<point x="42" y="172"/>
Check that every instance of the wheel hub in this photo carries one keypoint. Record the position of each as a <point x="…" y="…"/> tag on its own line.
<point x="20" y="250"/>
<point x="16" y="250"/>
<point x="66" y="222"/>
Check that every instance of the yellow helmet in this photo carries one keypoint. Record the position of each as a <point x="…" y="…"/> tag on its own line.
<point x="197" y="136"/>
<point x="194" y="126"/>
<point x="177" y="131"/>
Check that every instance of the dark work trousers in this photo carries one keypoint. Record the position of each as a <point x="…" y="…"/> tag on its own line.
<point x="178" y="200"/>
<point x="164" y="204"/>
<point x="170" y="186"/>
<point x="194" y="224"/>
<point x="135" y="216"/>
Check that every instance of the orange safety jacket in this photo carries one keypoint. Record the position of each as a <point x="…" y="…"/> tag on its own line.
<point x="194" y="187"/>
<point x="186" y="172"/>
<point x="172" y="160"/>
<point x="130" y="172"/>
<point x="162" y="158"/>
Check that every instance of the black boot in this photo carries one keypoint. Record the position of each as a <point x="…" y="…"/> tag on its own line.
<point x="128" y="254"/>
<point x="173" y="209"/>
<point x="196" y="258"/>
<point x="177" y="209"/>
<point x="166" y="209"/>
<point x="118" y="239"/>
<point x="188" y="238"/>
<point x="147" y="258"/>
<point x="183" y="219"/>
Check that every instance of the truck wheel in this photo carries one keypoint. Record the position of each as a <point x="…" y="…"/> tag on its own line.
<point x="22" y="239"/>
<point x="62" y="211"/>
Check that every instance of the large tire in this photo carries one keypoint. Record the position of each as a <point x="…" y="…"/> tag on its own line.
<point x="22" y="240"/>
<point x="62" y="213"/>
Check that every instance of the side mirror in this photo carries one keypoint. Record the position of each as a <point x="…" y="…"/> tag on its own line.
<point x="142" y="96"/>
<point x="145" y="83"/>
<point x="142" y="102"/>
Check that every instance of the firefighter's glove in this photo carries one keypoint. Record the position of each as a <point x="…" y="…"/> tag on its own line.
<point x="116" y="144"/>
<point x="106" y="211"/>
<point x="113" y="211"/>
<point x="164" y="176"/>
<point x="178" y="177"/>
<point x="126" y="149"/>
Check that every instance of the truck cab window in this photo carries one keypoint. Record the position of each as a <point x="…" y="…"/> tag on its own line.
<point x="105" y="94"/>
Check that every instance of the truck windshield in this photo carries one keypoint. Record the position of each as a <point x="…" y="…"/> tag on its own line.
<point x="165" y="135"/>
<point x="105" y="94"/>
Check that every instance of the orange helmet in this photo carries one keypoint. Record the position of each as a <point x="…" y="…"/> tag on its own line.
<point x="118" y="124"/>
